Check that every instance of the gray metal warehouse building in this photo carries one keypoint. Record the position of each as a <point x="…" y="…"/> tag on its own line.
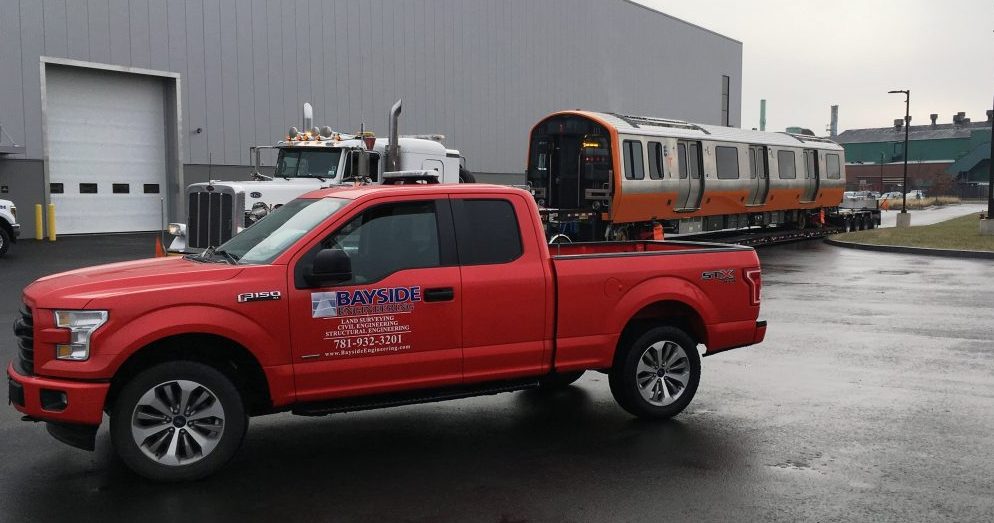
<point x="108" y="106"/>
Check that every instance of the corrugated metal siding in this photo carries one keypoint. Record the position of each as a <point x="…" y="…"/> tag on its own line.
<point x="480" y="71"/>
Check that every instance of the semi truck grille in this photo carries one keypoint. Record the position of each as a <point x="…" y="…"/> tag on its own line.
<point x="24" y="331"/>
<point x="210" y="219"/>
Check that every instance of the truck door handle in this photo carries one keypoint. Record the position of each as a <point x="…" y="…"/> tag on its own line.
<point x="440" y="294"/>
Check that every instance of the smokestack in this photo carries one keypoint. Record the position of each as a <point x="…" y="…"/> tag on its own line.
<point x="934" y="118"/>
<point x="898" y="123"/>
<point x="308" y="117"/>
<point x="762" y="115"/>
<point x="393" y="147"/>
<point x="958" y="118"/>
<point x="833" y="131"/>
<point x="990" y="115"/>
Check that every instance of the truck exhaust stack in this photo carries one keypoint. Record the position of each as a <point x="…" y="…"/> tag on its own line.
<point x="393" y="147"/>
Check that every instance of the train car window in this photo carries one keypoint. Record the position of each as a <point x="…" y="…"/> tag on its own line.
<point x="752" y="164"/>
<point x="785" y="159"/>
<point x="834" y="169"/>
<point x="681" y="153"/>
<point x="727" y="160"/>
<point x="694" y="160"/>
<point x="634" y="166"/>
<point x="655" y="160"/>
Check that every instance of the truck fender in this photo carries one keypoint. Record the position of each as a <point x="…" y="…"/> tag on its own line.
<point x="662" y="289"/>
<point x="194" y="319"/>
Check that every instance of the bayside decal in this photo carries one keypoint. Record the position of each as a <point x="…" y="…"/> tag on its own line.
<point x="364" y="302"/>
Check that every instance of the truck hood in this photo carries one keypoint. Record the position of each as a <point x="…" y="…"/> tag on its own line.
<point x="271" y="192"/>
<point x="75" y="289"/>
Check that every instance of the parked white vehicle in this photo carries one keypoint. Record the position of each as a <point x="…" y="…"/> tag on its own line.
<point x="916" y="194"/>
<point x="10" y="230"/>
<point x="307" y="160"/>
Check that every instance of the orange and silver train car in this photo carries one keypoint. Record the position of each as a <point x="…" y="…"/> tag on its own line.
<point x="611" y="176"/>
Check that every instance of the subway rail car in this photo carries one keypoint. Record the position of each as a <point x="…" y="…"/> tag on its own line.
<point x="600" y="176"/>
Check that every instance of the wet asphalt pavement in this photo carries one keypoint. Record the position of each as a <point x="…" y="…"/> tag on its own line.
<point x="871" y="399"/>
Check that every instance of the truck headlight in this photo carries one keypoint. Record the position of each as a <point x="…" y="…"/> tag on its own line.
<point x="177" y="229"/>
<point x="81" y="325"/>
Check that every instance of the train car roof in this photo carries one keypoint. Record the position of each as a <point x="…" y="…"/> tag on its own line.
<point x="663" y="127"/>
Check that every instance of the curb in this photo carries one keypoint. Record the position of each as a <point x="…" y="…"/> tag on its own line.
<point x="949" y="253"/>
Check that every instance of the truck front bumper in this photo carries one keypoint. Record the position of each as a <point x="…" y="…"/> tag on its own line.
<point x="58" y="401"/>
<point x="17" y="231"/>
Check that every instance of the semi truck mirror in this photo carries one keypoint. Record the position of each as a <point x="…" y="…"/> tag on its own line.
<point x="330" y="266"/>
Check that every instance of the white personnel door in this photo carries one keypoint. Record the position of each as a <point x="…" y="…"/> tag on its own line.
<point x="106" y="149"/>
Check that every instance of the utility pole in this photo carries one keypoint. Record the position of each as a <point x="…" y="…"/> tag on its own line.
<point x="903" y="220"/>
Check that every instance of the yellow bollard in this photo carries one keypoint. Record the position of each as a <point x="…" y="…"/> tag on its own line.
<point x="39" y="226"/>
<point x="51" y="222"/>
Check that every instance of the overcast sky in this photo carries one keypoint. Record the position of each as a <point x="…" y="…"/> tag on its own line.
<point x="804" y="56"/>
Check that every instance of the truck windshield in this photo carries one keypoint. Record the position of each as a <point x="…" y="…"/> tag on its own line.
<point x="313" y="163"/>
<point x="266" y="240"/>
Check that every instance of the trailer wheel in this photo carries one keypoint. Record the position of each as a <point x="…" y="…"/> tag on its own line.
<point x="657" y="375"/>
<point x="465" y="176"/>
<point x="178" y="421"/>
<point x="4" y="240"/>
<point x="558" y="380"/>
<point x="847" y="224"/>
<point x="870" y="222"/>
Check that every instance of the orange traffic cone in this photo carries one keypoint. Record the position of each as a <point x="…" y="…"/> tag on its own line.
<point x="160" y="251"/>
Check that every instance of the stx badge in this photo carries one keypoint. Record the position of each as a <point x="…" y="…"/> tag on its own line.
<point x="259" y="296"/>
<point x="724" y="275"/>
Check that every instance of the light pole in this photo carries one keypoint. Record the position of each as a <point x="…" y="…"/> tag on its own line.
<point x="907" y="127"/>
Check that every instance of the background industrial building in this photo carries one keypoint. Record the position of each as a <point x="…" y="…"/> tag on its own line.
<point x="109" y="106"/>
<point x="950" y="158"/>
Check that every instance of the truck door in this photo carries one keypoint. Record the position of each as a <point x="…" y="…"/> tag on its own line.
<point x="395" y="323"/>
<point x="507" y="316"/>
<point x="810" y="175"/>
<point x="691" y="180"/>
<point x="759" y="175"/>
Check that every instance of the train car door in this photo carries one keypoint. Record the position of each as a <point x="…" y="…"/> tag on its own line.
<point x="810" y="175"/>
<point x="691" y="181"/>
<point x="564" y="169"/>
<point x="759" y="175"/>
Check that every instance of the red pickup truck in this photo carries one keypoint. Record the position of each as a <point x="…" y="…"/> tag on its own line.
<point x="367" y="297"/>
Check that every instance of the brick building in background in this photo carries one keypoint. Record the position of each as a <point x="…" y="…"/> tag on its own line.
<point x="944" y="159"/>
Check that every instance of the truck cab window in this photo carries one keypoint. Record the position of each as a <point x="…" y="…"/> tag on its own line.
<point x="487" y="231"/>
<point x="389" y="238"/>
<point x="321" y="163"/>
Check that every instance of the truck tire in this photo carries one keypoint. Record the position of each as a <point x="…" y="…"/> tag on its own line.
<point x="657" y="375"/>
<point x="558" y="380"/>
<point x="466" y="176"/>
<point x="5" y="240"/>
<point x="178" y="421"/>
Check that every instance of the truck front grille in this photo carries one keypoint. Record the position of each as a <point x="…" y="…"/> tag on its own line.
<point x="210" y="221"/>
<point x="24" y="331"/>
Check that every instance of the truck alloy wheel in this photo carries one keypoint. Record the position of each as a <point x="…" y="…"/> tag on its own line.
<point x="178" y="421"/>
<point x="658" y="374"/>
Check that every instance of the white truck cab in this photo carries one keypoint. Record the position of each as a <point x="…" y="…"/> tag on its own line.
<point x="10" y="230"/>
<point x="307" y="160"/>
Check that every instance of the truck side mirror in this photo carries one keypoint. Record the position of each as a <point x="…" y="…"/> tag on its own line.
<point x="330" y="266"/>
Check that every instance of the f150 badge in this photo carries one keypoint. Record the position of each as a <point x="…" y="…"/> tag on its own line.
<point x="259" y="296"/>
<point x="723" y="275"/>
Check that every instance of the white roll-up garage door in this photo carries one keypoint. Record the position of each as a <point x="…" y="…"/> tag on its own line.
<point x="106" y="149"/>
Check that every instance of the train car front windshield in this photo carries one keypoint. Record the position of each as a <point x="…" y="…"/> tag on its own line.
<point x="569" y="164"/>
